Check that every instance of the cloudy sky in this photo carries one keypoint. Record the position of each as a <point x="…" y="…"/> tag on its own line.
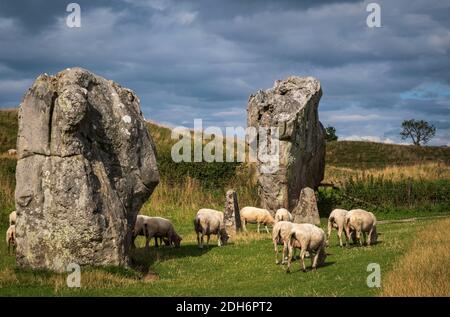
<point x="202" y="59"/>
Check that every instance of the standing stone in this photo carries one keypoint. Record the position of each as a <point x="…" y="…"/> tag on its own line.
<point x="231" y="214"/>
<point x="86" y="165"/>
<point x="291" y="106"/>
<point x="306" y="210"/>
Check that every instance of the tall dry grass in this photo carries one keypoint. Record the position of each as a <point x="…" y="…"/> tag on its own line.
<point x="421" y="172"/>
<point x="425" y="269"/>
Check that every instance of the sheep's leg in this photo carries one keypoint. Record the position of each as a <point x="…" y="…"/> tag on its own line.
<point x="275" y="245"/>
<point x="267" y="230"/>
<point x="358" y="237"/>
<point x="289" y="259"/>
<point x="285" y="249"/>
<point x="340" y="237"/>
<point x="258" y="227"/>
<point x="329" y="232"/>
<point x="207" y="240"/>
<point x="156" y="242"/>
<point x="369" y="238"/>
<point x="201" y="244"/>
<point x="315" y="259"/>
<point x="365" y="237"/>
<point x="302" y="257"/>
<point x="219" y="239"/>
<point x="347" y="232"/>
<point x="243" y="222"/>
<point x="198" y="240"/>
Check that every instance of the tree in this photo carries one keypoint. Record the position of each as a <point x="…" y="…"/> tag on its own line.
<point x="330" y="134"/>
<point x="419" y="131"/>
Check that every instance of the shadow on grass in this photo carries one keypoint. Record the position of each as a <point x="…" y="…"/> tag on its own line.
<point x="298" y="268"/>
<point x="142" y="259"/>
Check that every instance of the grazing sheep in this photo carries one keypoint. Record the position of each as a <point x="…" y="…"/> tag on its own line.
<point x="362" y="221"/>
<point x="337" y="220"/>
<point x="280" y="235"/>
<point x="12" y="152"/>
<point x="208" y="222"/>
<point x="11" y="237"/>
<point x="12" y="218"/>
<point x="283" y="215"/>
<point x="156" y="227"/>
<point x="308" y="238"/>
<point x="256" y="215"/>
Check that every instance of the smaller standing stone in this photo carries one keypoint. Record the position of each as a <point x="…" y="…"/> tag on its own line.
<point x="306" y="210"/>
<point x="231" y="214"/>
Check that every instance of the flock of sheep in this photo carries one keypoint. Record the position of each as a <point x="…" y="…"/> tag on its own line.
<point x="356" y="224"/>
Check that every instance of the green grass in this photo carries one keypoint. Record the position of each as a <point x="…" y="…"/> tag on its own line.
<point x="370" y="154"/>
<point x="241" y="269"/>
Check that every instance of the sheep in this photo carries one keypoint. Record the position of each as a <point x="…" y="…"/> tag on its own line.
<point x="12" y="152"/>
<point x="11" y="237"/>
<point x="280" y="235"/>
<point x="156" y="227"/>
<point x="283" y="215"/>
<point x="256" y="215"/>
<point x="361" y="221"/>
<point x="207" y="222"/>
<point x="337" y="220"/>
<point x="308" y="238"/>
<point x="12" y="218"/>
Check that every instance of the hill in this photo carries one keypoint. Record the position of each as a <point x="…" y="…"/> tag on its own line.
<point x="371" y="154"/>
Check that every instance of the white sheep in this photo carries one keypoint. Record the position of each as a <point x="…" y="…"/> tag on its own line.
<point x="283" y="214"/>
<point x="12" y="152"/>
<point x="308" y="238"/>
<point x="280" y="235"/>
<point x="362" y="222"/>
<point x="12" y="218"/>
<point x="256" y="215"/>
<point x="11" y="237"/>
<point x="156" y="227"/>
<point x="208" y="222"/>
<point x="337" y="220"/>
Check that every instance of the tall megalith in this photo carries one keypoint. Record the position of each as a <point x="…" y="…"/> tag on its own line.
<point x="86" y="164"/>
<point x="292" y="107"/>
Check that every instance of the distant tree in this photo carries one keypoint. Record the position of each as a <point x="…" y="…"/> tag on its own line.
<point x="419" y="131"/>
<point x="330" y="134"/>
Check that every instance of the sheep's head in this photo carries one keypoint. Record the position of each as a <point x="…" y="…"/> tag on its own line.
<point x="224" y="236"/>
<point x="176" y="239"/>
<point x="374" y="237"/>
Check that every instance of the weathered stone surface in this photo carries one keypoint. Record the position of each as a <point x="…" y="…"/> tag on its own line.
<point x="306" y="210"/>
<point x="232" y="216"/>
<point x="291" y="105"/>
<point x="86" y="165"/>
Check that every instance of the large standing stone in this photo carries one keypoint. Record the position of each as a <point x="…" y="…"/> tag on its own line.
<point x="86" y="165"/>
<point x="231" y="214"/>
<point x="291" y="105"/>
<point x="306" y="210"/>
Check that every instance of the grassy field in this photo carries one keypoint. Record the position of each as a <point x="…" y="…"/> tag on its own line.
<point x="377" y="180"/>
<point x="243" y="268"/>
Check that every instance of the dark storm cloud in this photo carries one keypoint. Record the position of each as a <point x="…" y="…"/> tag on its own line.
<point x="191" y="59"/>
